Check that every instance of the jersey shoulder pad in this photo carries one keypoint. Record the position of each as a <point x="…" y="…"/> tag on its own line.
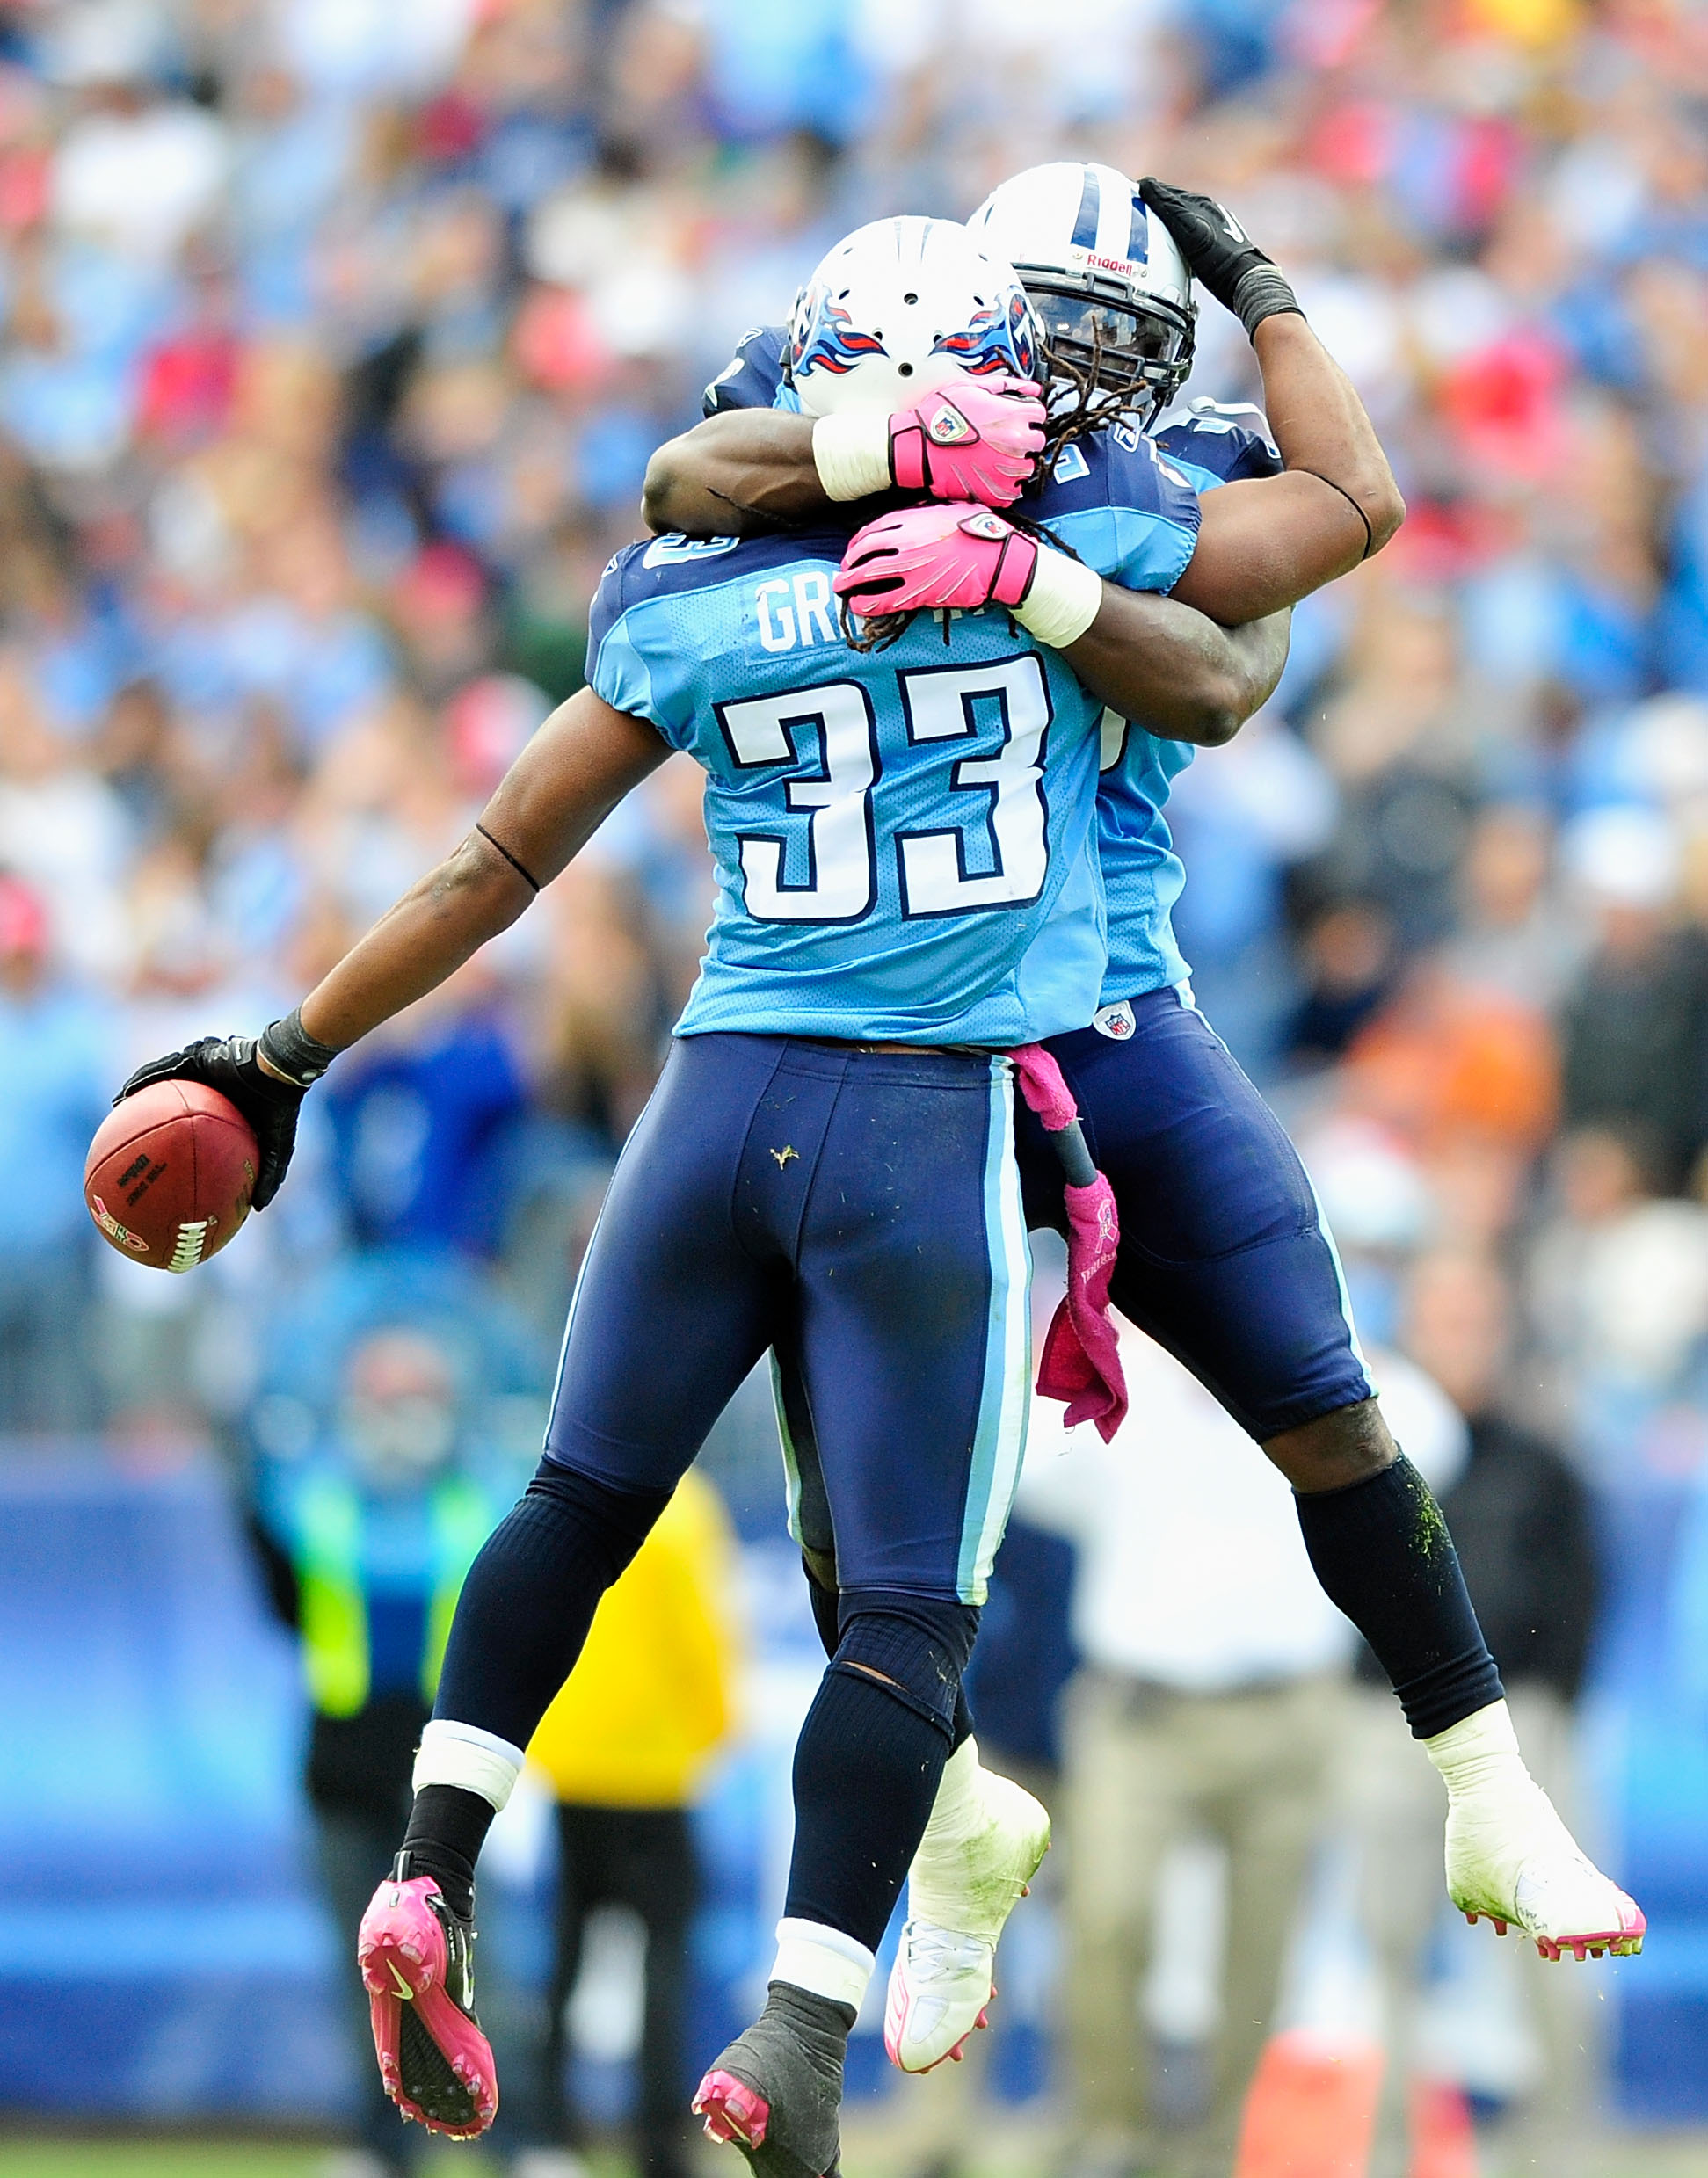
<point x="1231" y="439"/>
<point x="652" y="567"/>
<point x="1117" y="467"/>
<point x="750" y="378"/>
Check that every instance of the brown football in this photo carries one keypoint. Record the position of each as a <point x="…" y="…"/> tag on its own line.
<point x="169" y="1174"/>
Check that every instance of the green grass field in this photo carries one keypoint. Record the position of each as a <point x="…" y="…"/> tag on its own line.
<point x="1635" y="2156"/>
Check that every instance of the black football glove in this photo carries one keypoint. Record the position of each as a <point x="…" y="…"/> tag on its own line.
<point x="1220" y="254"/>
<point x="229" y="1064"/>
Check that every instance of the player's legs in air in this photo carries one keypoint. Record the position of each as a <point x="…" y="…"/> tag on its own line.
<point x="986" y="1836"/>
<point x="858" y="1211"/>
<point x="1224" y="1260"/>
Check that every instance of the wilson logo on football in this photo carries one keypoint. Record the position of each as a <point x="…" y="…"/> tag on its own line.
<point x="110" y="1225"/>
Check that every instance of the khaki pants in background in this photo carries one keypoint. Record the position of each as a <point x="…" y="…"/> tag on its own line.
<point x="1144" y="1767"/>
<point x="1396" y="1805"/>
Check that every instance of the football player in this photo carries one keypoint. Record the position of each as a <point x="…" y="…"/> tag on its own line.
<point x="1224" y="1258"/>
<point x="908" y="891"/>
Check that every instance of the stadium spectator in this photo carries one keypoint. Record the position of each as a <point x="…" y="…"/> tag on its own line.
<point x="1529" y="1563"/>
<point x="1211" y="1701"/>
<point x="1634" y="1027"/>
<point x="378" y="1474"/>
<point x="54" y="1064"/>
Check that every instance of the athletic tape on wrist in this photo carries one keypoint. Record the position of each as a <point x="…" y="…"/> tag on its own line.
<point x="465" y="1756"/>
<point x="290" y="1051"/>
<point x="851" y="454"/>
<point x="823" y="1961"/>
<point x="1065" y="598"/>
<point x="1262" y="292"/>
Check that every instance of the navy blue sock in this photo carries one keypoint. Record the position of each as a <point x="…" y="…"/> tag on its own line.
<point x="447" y="1828"/>
<point x="1382" y="1554"/>
<point x="531" y="1594"/>
<point x="867" y="1767"/>
<point x="871" y="1757"/>
<point x="827" y="1617"/>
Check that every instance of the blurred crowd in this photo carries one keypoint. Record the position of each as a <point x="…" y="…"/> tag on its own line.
<point x="334" y="338"/>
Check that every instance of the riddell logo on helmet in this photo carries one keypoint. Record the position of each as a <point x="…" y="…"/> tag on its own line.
<point x="1111" y="264"/>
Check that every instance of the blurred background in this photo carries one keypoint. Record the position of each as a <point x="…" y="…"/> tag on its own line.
<point x="334" y="336"/>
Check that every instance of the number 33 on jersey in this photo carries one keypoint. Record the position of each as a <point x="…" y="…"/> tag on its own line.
<point x="903" y="840"/>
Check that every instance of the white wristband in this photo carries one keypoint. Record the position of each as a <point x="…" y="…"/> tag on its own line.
<point x="851" y="453"/>
<point x="1065" y="598"/>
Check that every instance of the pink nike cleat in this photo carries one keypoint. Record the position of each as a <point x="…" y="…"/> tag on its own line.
<point x="417" y="1966"/>
<point x="735" y="2114"/>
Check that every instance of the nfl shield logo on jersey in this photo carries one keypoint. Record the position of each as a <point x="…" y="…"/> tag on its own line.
<point x="1114" y="1021"/>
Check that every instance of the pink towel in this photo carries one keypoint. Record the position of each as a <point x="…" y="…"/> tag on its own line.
<point x="1081" y="1358"/>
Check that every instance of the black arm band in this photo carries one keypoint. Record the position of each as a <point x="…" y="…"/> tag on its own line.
<point x="1262" y="292"/>
<point x="1369" y="535"/>
<point x="293" y="1052"/>
<point x="527" y="876"/>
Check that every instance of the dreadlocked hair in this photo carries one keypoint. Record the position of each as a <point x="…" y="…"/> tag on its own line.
<point x="881" y="629"/>
<point x="1092" y="407"/>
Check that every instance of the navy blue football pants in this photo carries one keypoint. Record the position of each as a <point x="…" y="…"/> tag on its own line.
<point x="1223" y="1259"/>
<point x="857" y="1214"/>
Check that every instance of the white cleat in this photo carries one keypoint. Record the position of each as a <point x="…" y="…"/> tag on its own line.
<point x="1511" y="1860"/>
<point x="982" y="1847"/>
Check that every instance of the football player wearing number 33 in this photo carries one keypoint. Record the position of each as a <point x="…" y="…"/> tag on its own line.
<point x="1223" y="1256"/>
<point x="907" y="894"/>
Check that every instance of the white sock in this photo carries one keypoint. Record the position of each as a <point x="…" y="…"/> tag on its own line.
<point x="823" y="1960"/>
<point x="464" y="1755"/>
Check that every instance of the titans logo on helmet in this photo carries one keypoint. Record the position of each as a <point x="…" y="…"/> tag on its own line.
<point x="826" y="338"/>
<point x="996" y="340"/>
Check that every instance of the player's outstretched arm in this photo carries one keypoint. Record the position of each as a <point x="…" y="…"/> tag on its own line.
<point x="573" y="773"/>
<point x="1267" y="542"/>
<point x="549" y="803"/>
<point x="754" y="469"/>
<point x="1178" y="672"/>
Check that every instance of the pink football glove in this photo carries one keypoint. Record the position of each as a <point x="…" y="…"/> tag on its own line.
<point x="931" y="556"/>
<point x="974" y="438"/>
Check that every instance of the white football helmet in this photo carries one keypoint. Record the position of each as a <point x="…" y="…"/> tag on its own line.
<point x="902" y="306"/>
<point x="1105" y="277"/>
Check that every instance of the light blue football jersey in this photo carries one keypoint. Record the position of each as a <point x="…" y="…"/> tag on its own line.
<point x="1203" y="444"/>
<point x="903" y="840"/>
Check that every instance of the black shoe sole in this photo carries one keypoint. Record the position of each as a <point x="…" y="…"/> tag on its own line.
<point x="426" y="2075"/>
